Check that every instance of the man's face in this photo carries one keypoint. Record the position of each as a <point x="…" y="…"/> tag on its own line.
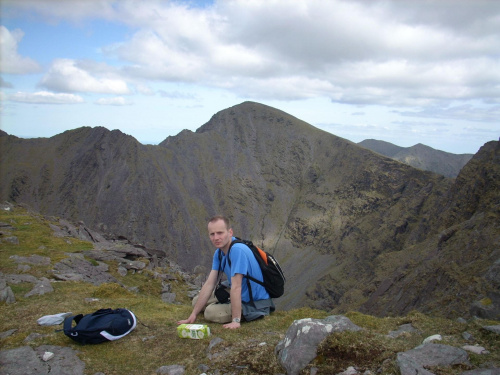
<point x="220" y="235"/>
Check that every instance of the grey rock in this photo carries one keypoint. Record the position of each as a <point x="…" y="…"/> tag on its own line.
<point x="414" y="361"/>
<point x="7" y="295"/>
<point x="214" y="350"/>
<point x="133" y="264"/>
<point x="166" y="287"/>
<point x="494" y="329"/>
<point x="11" y="239"/>
<point x="22" y="361"/>
<point x="303" y="337"/>
<point x="203" y="367"/>
<point x="40" y="288"/>
<point x="17" y="279"/>
<point x="468" y="337"/>
<point x="171" y="370"/>
<point x="5" y="226"/>
<point x="122" y="271"/>
<point x="168" y="297"/>
<point x="487" y="311"/>
<point x="23" y="267"/>
<point x="36" y="260"/>
<point x="164" y="276"/>
<point x="103" y="255"/>
<point x="482" y="371"/>
<point x="10" y="332"/>
<point x="65" y="361"/>
<point x="102" y="247"/>
<point x="33" y="337"/>
<point x="75" y="268"/>
<point x="401" y="330"/>
<point x="58" y="231"/>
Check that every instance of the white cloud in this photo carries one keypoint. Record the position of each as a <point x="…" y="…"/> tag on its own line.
<point x="67" y="75"/>
<point x="351" y="52"/>
<point x="55" y="10"/>
<point x="5" y="84"/>
<point x="458" y="112"/>
<point x="11" y="61"/>
<point x="118" y="101"/>
<point x="396" y="53"/>
<point x="45" y="97"/>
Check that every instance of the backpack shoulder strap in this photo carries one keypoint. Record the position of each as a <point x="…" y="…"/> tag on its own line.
<point x="237" y="240"/>
<point x="68" y="322"/>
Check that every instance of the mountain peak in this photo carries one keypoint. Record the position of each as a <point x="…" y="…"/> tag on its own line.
<point x="421" y="156"/>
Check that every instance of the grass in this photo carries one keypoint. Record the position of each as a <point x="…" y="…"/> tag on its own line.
<point x="154" y="343"/>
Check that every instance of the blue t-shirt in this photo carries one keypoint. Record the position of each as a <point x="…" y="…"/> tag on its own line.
<point x="242" y="261"/>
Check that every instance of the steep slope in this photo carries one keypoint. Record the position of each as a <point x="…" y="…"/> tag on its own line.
<point x="327" y="208"/>
<point x="381" y="147"/>
<point x="443" y="273"/>
<point x="421" y="156"/>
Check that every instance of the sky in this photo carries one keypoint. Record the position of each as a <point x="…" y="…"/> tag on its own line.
<point x="401" y="71"/>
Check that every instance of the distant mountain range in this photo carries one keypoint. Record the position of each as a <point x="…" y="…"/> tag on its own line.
<point x="353" y="229"/>
<point x="421" y="156"/>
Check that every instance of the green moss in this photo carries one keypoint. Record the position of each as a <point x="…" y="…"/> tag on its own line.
<point x="486" y="301"/>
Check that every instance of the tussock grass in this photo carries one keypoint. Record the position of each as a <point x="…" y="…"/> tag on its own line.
<point x="154" y="343"/>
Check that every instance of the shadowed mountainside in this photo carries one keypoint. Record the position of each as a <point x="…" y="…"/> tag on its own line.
<point x="421" y="156"/>
<point x="351" y="228"/>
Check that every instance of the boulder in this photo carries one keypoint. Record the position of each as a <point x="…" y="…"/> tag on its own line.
<point x="6" y="294"/>
<point x="415" y="361"/>
<point x="494" y="329"/>
<point x="487" y="308"/>
<point x="26" y="360"/>
<point x="299" y="347"/>
<point x="403" y="329"/>
<point x="41" y="287"/>
<point x="171" y="370"/>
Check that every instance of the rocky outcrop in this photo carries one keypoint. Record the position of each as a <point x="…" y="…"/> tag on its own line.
<point x="299" y="346"/>
<point x="415" y="361"/>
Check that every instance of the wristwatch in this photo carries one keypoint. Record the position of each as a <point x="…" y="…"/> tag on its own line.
<point x="236" y="320"/>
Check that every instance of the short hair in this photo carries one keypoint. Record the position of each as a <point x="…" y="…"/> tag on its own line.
<point x="220" y="217"/>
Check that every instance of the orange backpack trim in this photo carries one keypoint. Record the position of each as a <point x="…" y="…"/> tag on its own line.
<point x="263" y="254"/>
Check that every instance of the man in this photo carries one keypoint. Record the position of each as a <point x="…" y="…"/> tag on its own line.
<point x="243" y="262"/>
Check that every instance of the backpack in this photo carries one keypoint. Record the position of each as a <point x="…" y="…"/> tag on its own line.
<point x="100" y="326"/>
<point x="274" y="278"/>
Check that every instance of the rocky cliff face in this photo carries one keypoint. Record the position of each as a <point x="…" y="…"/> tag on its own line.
<point x="344" y="222"/>
<point x="445" y="271"/>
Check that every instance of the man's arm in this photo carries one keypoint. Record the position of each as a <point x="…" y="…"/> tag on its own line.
<point x="236" y="281"/>
<point x="203" y="297"/>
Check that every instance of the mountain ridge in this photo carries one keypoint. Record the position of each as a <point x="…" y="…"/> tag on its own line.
<point x="297" y="191"/>
<point x="421" y="156"/>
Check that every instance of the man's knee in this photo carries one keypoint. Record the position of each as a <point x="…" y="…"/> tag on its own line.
<point x="218" y="313"/>
<point x="210" y="301"/>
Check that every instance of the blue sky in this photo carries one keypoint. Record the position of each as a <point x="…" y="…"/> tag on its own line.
<point x="402" y="71"/>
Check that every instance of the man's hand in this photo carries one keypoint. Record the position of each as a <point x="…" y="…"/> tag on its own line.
<point x="232" y="325"/>
<point x="189" y="320"/>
